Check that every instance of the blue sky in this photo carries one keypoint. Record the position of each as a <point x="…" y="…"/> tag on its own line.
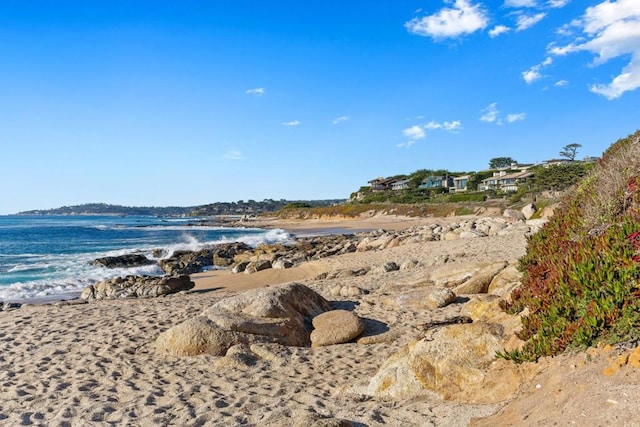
<point x="184" y="103"/>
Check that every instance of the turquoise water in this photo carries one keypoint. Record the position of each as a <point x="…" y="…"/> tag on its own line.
<point x="44" y="256"/>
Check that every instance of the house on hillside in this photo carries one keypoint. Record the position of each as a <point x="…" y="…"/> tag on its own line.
<point x="381" y="184"/>
<point x="436" y="182"/>
<point x="503" y="181"/>
<point x="400" y="184"/>
<point x="460" y="183"/>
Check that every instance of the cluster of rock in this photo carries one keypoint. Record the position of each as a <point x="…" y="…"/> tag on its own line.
<point x="291" y="315"/>
<point x="137" y="287"/>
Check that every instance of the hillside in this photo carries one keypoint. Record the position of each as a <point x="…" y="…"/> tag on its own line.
<point x="582" y="270"/>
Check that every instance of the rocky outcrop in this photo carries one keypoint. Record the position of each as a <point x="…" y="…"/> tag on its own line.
<point x="335" y="327"/>
<point x="426" y="299"/>
<point x="136" y="287"/>
<point x="467" y="278"/>
<point x="448" y="360"/>
<point x="122" y="261"/>
<point x="279" y="314"/>
<point x="187" y="262"/>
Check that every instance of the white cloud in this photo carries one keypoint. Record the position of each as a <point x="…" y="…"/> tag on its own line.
<point x="463" y="18"/>
<point x="497" y="30"/>
<point x="406" y="144"/>
<point x="558" y="3"/>
<point x="340" y="119"/>
<point x="532" y="74"/>
<point x="233" y="155"/>
<point x="520" y="3"/>
<point x="516" y="117"/>
<point x="561" y="83"/>
<point x="527" y="21"/>
<point x="258" y="91"/>
<point x="491" y="114"/>
<point x="452" y="126"/>
<point x="291" y="123"/>
<point x="612" y="30"/>
<point x="414" y="133"/>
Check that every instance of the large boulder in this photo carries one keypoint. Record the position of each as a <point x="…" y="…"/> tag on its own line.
<point x="335" y="327"/>
<point x="280" y="314"/>
<point x="187" y="262"/>
<point x="200" y="336"/>
<point x="428" y="299"/>
<point x="137" y="287"/>
<point x="122" y="261"/>
<point x="529" y="210"/>
<point x="447" y="361"/>
<point x="467" y="278"/>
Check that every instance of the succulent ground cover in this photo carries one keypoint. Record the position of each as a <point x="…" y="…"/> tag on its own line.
<point x="581" y="280"/>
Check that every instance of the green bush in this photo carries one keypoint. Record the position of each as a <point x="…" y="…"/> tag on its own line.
<point x="581" y="279"/>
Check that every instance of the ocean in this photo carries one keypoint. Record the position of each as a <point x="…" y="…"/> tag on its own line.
<point x="49" y="257"/>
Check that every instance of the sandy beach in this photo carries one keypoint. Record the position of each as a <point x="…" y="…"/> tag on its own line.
<point x="97" y="364"/>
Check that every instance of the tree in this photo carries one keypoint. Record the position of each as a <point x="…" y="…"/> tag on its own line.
<point x="570" y="151"/>
<point x="501" y="162"/>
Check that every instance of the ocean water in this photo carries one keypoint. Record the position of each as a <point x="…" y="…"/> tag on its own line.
<point x="48" y="257"/>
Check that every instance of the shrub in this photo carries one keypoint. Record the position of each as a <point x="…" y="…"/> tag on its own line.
<point x="581" y="279"/>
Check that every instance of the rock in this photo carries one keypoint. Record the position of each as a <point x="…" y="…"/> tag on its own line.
<point x="282" y="330"/>
<point x="409" y="264"/>
<point x="240" y="267"/>
<point x="466" y="278"/>
<point x="255" y="266"/>
<point x="505" y="281"/>
<point x="447" y="360"/>
<point x="122" y="261"/>
<point x="429" y="299"/>
<point x="335" y="327"/>
<point x="385" y="268"/>
<point x="187" y="262"/>
<point x="137" y="287"/>
<point x="346" y="291"/>
<point x="197" y="336"/>
<point x="276" y="314"/>
<point x="224" y="254"/>
<point x="282" y="264"/>
<point x="513" y="215"/>
<point x="529" y="210"/>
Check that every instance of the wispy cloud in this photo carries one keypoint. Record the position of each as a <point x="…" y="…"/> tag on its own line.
<point x="534" y="73"/>
<point x="516" y="117"/>
<point x="610" y="30"/>
<point x="497" y="30"/>
<point x="339" y="120"/>
<point x="561" y="83"/>
<point x="525" y="22"/>
<point x="520" y="3"/>
<point x="258" y="91"/>
<point x="462" y="18"/>
<point x="558" y="3"/>
<point x="414" y="133"/>
<point x="417" y="132"/>
<point x="291" y="123"/>
<point x="453" y="126"/>
<point x="491" y="114"/>
<point x="233" y="155"/>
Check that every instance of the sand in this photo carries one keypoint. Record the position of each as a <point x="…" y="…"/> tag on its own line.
<point x="95" y="364"/>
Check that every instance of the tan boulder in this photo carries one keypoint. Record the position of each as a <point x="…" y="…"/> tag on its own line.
<point x="335" y="327"/>
<point x="197" y="336"/>
<point x="423" y="299"/>
<point x="505" y="281"/>
<point x="448" y="360"/>
<point x="267" y="315"/>
<point x="467" y="278"/>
